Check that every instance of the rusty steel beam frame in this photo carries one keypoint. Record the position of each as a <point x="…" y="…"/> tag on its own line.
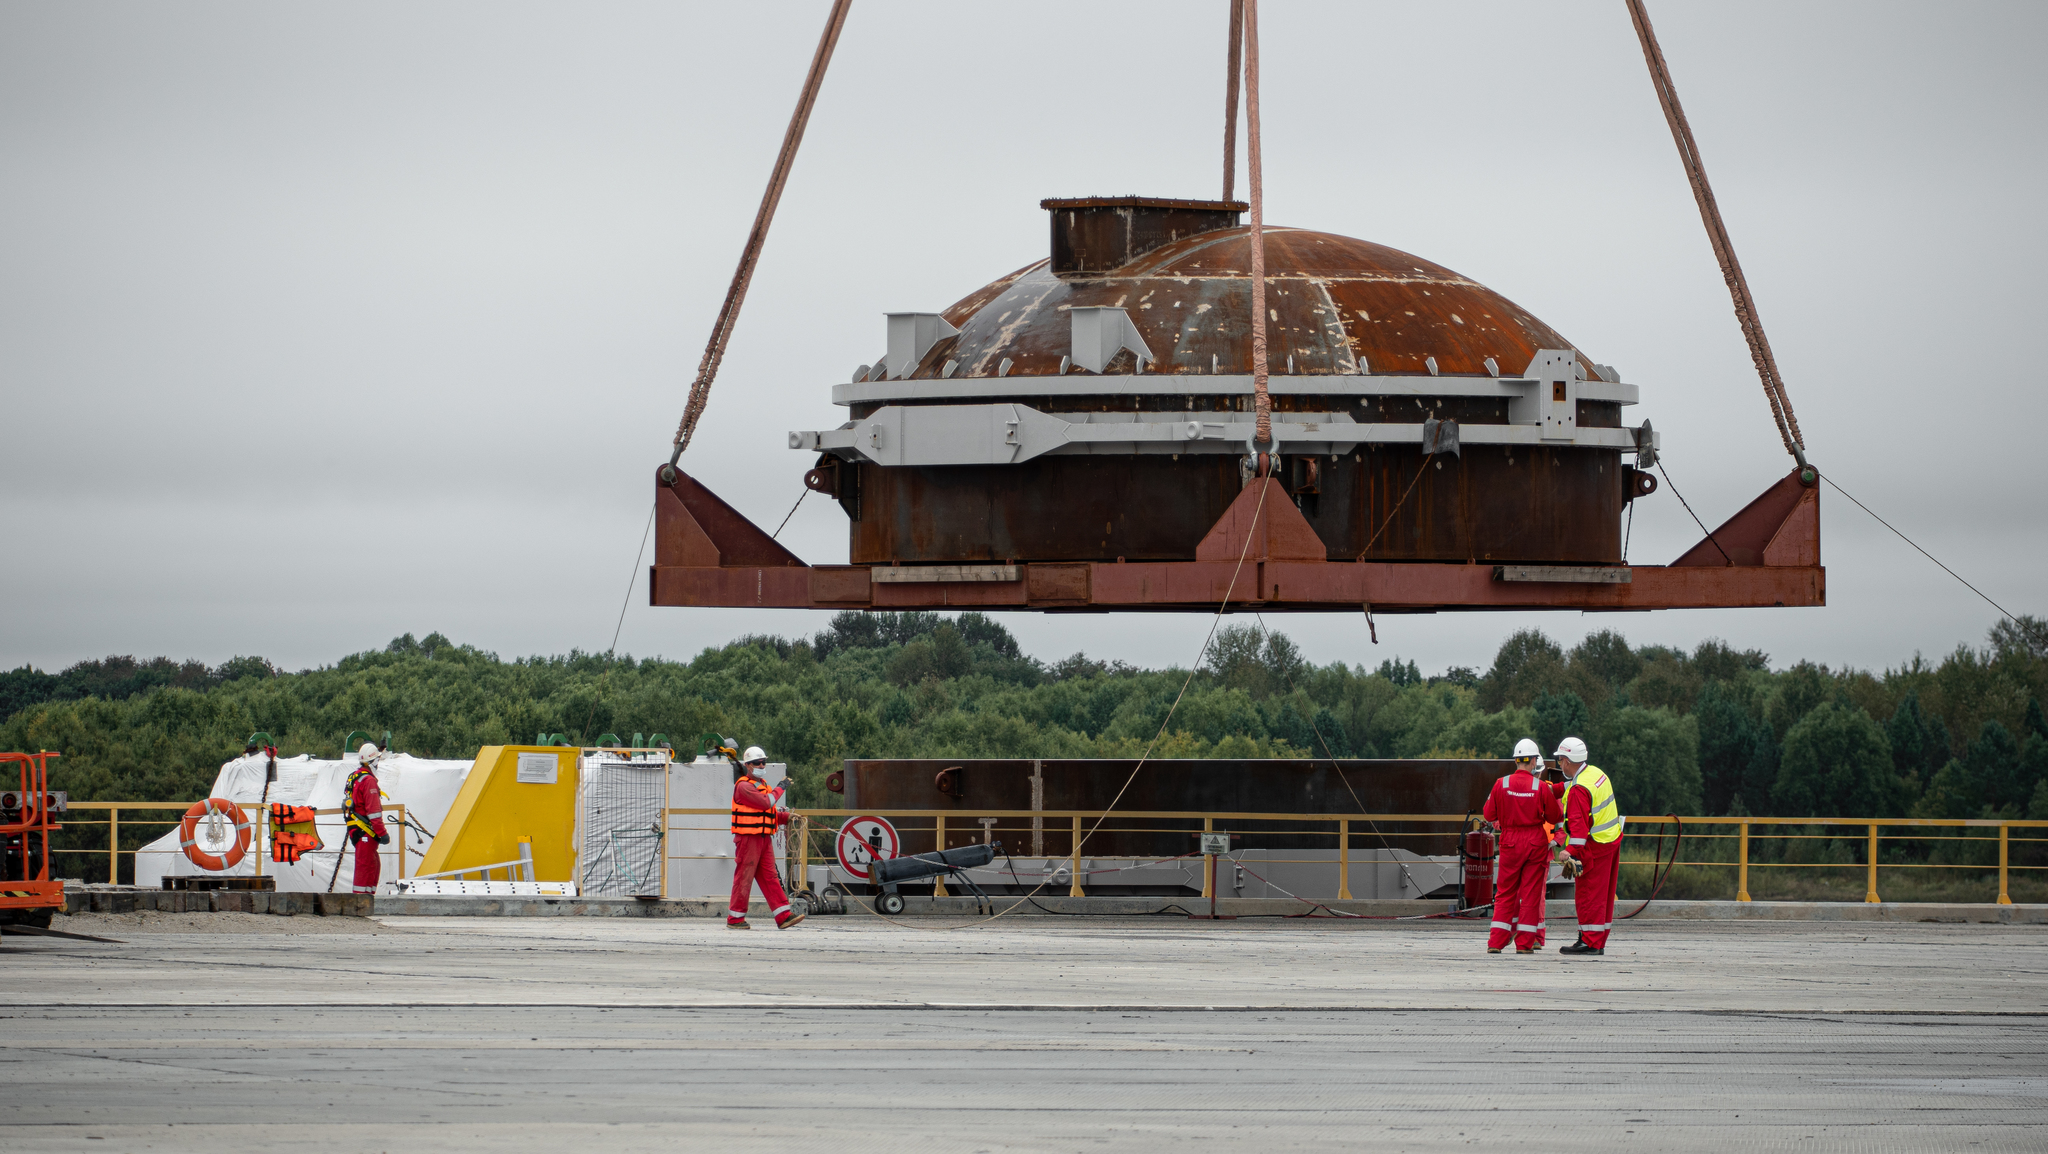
<point x="1767" y="555"/>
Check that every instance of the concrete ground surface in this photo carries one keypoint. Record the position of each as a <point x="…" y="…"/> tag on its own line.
<point x="1025" y="1034"/>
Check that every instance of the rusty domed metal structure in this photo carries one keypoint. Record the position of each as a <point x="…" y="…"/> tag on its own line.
<point x="1118" y="375"/>
<point x="1176" y="411"/>
<point x="1079" y="433"/>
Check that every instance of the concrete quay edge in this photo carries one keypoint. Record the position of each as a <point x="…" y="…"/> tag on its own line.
<point x="100" y="899"/>
<point x="958" y="907"/>
<point x="125" y="899"/>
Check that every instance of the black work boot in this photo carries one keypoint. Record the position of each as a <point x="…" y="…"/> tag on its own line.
<point x="1581" y="949"/>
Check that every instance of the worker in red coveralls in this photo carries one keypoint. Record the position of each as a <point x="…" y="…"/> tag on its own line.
<point x="362" y="809"/>
<point x="1593" y="824"/>
<point x="1519" y="806"/>
<point x="757" y="813"/>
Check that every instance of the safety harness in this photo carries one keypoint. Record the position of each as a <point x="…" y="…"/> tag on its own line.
<point x="357" y="823"/>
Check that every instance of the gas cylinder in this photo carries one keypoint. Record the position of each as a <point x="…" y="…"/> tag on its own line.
<point x="1478" y="851"/>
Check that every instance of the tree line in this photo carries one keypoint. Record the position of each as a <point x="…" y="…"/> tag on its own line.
<point x="1711" y="731"/>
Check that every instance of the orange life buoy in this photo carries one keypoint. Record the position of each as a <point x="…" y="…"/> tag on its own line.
<point x="189" y="828"/>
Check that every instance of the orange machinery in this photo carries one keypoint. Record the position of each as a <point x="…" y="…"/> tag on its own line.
<point x="28" y="895"/>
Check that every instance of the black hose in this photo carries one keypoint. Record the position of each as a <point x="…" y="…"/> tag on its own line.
<point x="1657" y="876"/>
<point x="1011" y="866"/>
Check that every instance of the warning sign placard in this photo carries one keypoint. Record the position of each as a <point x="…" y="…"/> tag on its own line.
<point x="864" y="839"/>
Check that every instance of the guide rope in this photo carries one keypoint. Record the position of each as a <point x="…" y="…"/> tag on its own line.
<point x="1244" y="551"/>
<point x="632" y="579"/>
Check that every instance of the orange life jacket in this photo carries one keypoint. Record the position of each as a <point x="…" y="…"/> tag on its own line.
<point x="746" y="820"/>
<point x="292" y="832"/>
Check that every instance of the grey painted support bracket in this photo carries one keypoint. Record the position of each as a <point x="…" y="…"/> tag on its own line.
<point x="1002" y="434"/>
<point x="1569" y="574"/>
<point x="1155" y="383"/>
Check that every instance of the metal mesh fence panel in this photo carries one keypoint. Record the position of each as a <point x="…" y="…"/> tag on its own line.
<point x="618" y="821"/>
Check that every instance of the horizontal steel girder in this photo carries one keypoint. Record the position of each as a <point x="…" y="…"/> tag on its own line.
<point x="1271" y="586"/>
<point x="707" y="555"/>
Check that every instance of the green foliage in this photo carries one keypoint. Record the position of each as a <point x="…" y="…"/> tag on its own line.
<point x="1558" y="716"/>
<point x="1402" y="673"/>
<point x="1798" y="693"/>
<point x="1528" y="663"/>
<point x="1727" y="746"/>
<point x="1712" y="731"/>
<point x="1912" y="744"/>
<point x="1653" y="757"/>
<point x="1255" y="660"/>
<point x="119" y="678"/>
<point x="1837" y="763"/>
<point x="1606" y="657"/>
<point x="1996" y="777"/>
<point x="2023" y="638"/>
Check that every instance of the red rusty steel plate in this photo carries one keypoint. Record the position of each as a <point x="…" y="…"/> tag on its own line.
<point x="1745" y="538"/>
<point x="1277" y="586"/>
<point x="1272" y="586"/>
<point x="1221" y="785"/>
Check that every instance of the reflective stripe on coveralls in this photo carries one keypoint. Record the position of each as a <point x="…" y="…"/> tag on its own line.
<point x="1520" y="806"/>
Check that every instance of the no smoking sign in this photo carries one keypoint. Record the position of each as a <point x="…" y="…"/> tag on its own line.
<point x="864" y="839"/>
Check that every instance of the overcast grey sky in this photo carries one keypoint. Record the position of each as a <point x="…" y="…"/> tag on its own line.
<point x="325" y="323"/>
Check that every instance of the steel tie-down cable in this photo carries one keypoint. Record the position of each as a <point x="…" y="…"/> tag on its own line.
<point x="1244" y="551"/>
<point x="1355" y="800"/>
<point x="1688" y="509"/>
<point x="1916" y="546"/>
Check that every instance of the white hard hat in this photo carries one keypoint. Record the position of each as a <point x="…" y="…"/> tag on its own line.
<point x="1527" y="748"/>
<point x="369" y="752"/>
<point x="754" y="753"/>
<point x="1573" y="749"/>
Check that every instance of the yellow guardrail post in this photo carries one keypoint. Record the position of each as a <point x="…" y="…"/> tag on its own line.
<point x="2004" y="899"/>
<point x="1074" y="889"/>
<point x="1343" y="861"/>
<point x="1742" y="864"/>
<point x="1871" y="896"/>
<point x="114" y="845"/>
<point x="939" y="839"/>
<point x="1209" y="876"/>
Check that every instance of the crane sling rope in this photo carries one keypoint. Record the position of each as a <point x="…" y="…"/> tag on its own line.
<point x="750" y="256"/>
<point x="1717" y="235"/>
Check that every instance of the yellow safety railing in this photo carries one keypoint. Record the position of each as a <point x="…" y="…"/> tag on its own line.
<point x="1350" y="827"/>
<point x="1871" y="833"/>
<point x="259" y="840"/>
<point x="1343" y="828"/>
